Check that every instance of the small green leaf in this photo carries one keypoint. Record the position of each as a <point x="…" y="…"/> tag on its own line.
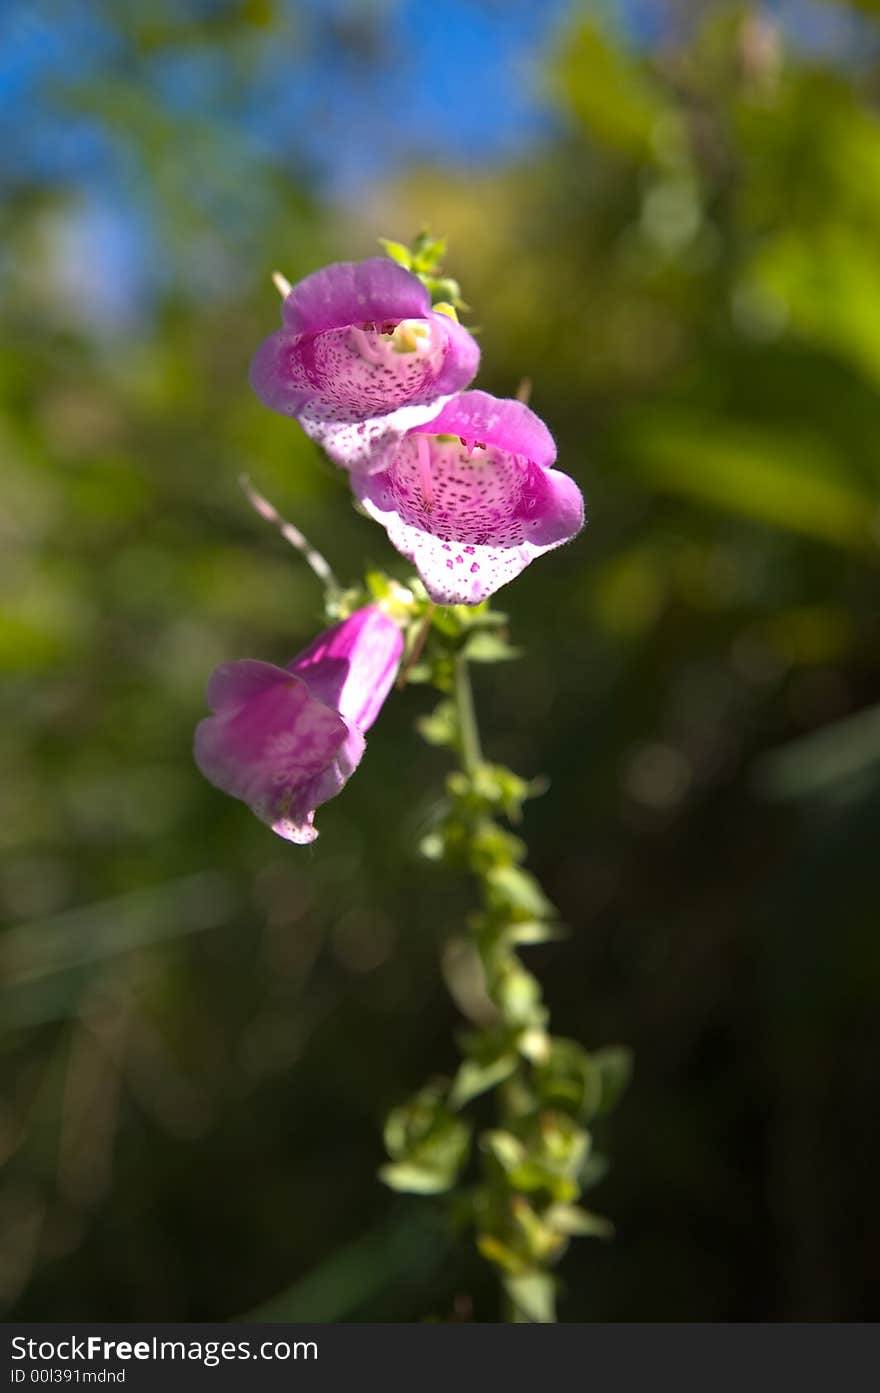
<point x="428" y="1145"/>
<point x="440" y="726"/>
<point x="428" y="252"/>
<point x="517" y="994"/>
<point x="507" y="1149"/>
<point x="533" y="1176"/>
<point x="558" y="1143"/>
<point x="543" y="1244"/>
<point x="397" y="251"/>
<point x="571" y="1079"/>
<point x="530" y="931"/>
<point x="571" y="1219"/>
<point x="420" y="674"/>
<point x="493" y="850"/>
<point x="486" y="647"/>
<point x="481" y="616"/>
<point x="533" y="1297"/>
<point x="500" y="788"/>
<point x="415" y="1180"/>
<point x="519" y="889"/>
<point x="474" y="1078"/>
<point x="447" y="620"/>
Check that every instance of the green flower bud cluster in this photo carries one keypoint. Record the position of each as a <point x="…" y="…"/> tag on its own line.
<point x="424" y="259"/>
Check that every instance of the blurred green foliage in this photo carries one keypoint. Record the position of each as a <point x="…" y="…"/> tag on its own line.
<point x="204" y="1025"/>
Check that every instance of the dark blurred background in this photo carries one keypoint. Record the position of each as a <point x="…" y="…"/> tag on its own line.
<point x="667" y="215"/>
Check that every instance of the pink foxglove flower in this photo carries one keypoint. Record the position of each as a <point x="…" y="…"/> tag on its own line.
<point x="285" y="740"/>
<point x="360" y="358"/>
<point x="470" y="497"/>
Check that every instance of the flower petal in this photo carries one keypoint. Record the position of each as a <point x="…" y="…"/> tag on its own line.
<point x="285" y="740"/>
<point x="233" y="684"/>
<point x="297" y="823"/>
<point x="500" y="421"/>
<point x="351" y="373"/>
<point x="367" y="445"/>
<point x="267" y="738"/>
<point x="461" y="359"/>
<point x="472" y="516"/>
<point x="350" y="292"/>
<point x="452" y="573"/>
<point x="353" y="388"/>
<point x="359" y="370"/>
<point x="352" y="666"/>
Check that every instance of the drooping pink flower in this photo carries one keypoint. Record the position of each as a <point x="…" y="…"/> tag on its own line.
<point x="286" y="740"/>
<point x="360" y="358"/>
<point x="470" y="497"/>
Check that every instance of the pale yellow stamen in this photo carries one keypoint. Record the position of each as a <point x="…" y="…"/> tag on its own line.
<point x="411" y="336"/>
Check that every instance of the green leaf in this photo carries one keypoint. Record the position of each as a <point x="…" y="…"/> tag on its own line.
<point x="559" y="1143"/>
<point x="532" y="1175"/>
<point x="542" y="1243"/>
<point x="507" y="1149"/>
<point x="428" y="1145"/>
<point x="440" y="726"/>
<point x="519" y="889"/>
<point x="481" y="616"/>
<point x="532" y="1296"/>
<point x="428" y="252"/>
<point x="530" y="931"/>
<point x="397" y="251"/>
<point x="486" y="647"/>
<point x="474" y="1078"/>
<point x="415" y="1180"/>
<point x="423" y="674"/>
<point x="518" y="995"/>
<point x="494" y="850"/>
<point x="501" y="788"/>
<point x="571" y="1219"/>
<point x="448" y="620"/>
<point x="570" y="1078"/>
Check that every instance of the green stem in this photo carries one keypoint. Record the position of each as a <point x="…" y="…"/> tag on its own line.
<point x="525" y="1200"/>
<point x="471" y="759"/>
<point x="469" y="733"/>
<point x="319" y="565"/>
